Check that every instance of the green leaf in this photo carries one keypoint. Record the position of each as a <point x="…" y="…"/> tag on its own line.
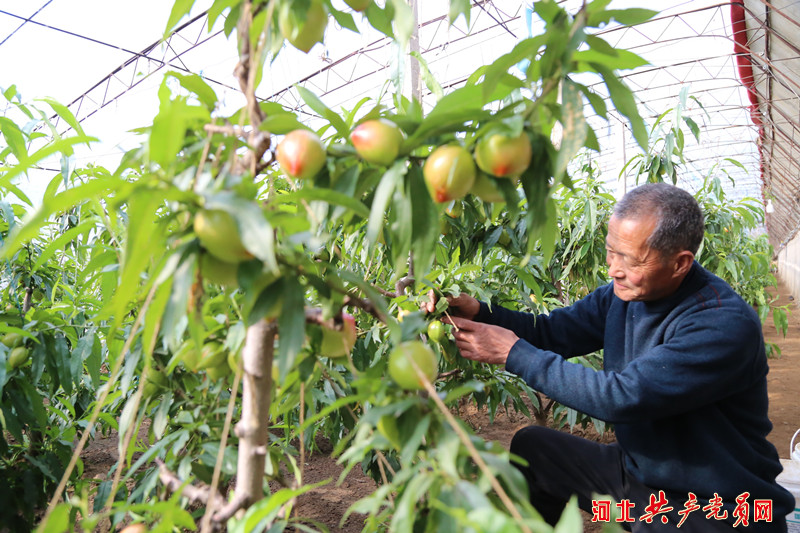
<point x="624" y="101"/>
<point x="183" y="278"/>
<point x="143" y="235"/>
<point x="216" y="10"/>
<point x="14" y="138"/>
<point x="345" y="20"/>
<point x="267" y="302"/>
<point x="403" y="22"/>
<point x="152" y="319"/>
<point x="266" y="510"/>
<point x="291" y="324"/>
<point x="574" y="126"/>
<point x="458" y="8"/>
<point x="197" y="85"/>
<point x="281" y="124"/>
<point x="91" y="353"/>
<point x="66" y="115"/>
<point x="550" y="231"/>
<point x="424" y="222"/>
<point x="465" y="104"/>
<point x="735" y="162"/>
<point x="694" y="127"/>
<point x="498" y="69"/>
<point x="414" y="491"/>
<point x="61" y="145"/>
<point x="571" y="519"/>
<point x="326" y="195"/>
<point x="313" y="101"/>
<point x="626" y="17"/>
<point x="620" y="59"/>
<point x="57" y="204"/>
<point x="383" y="193"/>
<point x="430" y="81"/>
<point x="380" y="19"/>
<point x="414" y="441"/>
<point x="180" y="8"/>
<point x="169" y="125"/>
<point x="58" y="521"/>
<point x="257" y="234"/>
<point x="60" y="242"/>
<point x="232" y="19"/>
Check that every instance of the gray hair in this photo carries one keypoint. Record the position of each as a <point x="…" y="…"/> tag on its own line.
<point x="680" y="223"/>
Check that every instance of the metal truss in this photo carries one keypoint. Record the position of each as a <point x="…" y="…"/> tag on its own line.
<point x="363" y="65"/>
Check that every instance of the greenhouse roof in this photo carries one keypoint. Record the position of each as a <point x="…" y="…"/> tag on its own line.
<point x="105" y="59"/>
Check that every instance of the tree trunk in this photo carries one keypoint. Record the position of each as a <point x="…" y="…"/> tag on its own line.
<point x="252" y="429"/>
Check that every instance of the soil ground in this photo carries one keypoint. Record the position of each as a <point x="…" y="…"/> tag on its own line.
<point x="328" y="504"/>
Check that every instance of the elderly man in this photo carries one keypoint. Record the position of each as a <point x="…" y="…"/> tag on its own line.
<point x="684" y="383"/>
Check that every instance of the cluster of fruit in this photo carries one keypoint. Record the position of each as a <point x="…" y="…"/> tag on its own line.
<point x="450" y="171"/>
<point x="18" y="354"/>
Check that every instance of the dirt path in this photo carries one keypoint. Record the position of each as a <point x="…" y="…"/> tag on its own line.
<point x="784" y="377"/>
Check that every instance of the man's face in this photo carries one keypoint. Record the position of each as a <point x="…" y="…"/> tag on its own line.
<point x="639" y="273"/>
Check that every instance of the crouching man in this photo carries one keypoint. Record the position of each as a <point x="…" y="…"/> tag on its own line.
<point x="684" y="383"/>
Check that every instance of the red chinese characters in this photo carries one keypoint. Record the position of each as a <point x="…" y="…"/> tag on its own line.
<point x="658" y="507"/>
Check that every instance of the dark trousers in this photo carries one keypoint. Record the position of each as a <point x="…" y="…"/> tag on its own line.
<point x="561" y="465"/>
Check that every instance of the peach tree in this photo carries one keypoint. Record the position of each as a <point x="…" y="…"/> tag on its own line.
<point x="255" y="282"/>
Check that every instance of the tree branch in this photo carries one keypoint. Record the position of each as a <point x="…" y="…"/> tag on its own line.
<point x="196" y="493"/>
<point x="365" y="305"/>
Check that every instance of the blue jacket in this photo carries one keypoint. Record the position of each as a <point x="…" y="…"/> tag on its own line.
<point x="684" y="382"/>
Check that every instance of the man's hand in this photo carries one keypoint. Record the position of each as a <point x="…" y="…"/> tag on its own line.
<point x="463" y="305"/>
<point x="482" y="342"/>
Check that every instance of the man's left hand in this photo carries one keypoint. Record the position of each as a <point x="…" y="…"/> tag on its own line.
<point x="480" y="342"/>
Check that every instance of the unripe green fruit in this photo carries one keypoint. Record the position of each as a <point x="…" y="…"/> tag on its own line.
<point x="219" y="272"/>
<point x="212" y="354"/>
<point x="387" y="426"/>
<point x="219" y="235"/>
<point x="455" y="210"/>
<point x="156" y="382"/>
<point x="444" y="226"/>
<point x="377" y="141"/>
<point x="218" y="371"/>
<point x="339" y="343"/>
<point x="503" y="156"/>
<point x="486" y="189"/>
<point x="436" y="331"/>
<point x="18" y="356"/>
<point x="301" y="154"/>
<point x="504" y="238"/>
<point x="12" y="340"/>
<point x="402" y="371"/>
<point x="189" y="355"/>
<point x="449" y="173"/>
<point x="358" y="5"/>
<point x="303" y="34"/>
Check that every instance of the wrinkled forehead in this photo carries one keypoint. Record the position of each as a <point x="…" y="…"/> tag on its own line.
<point x="632" y="230"/>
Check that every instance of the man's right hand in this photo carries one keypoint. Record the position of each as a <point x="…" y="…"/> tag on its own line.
<point x="463" y="305"/>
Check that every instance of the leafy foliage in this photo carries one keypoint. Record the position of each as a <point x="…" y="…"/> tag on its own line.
<point x="128" y="312"/>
